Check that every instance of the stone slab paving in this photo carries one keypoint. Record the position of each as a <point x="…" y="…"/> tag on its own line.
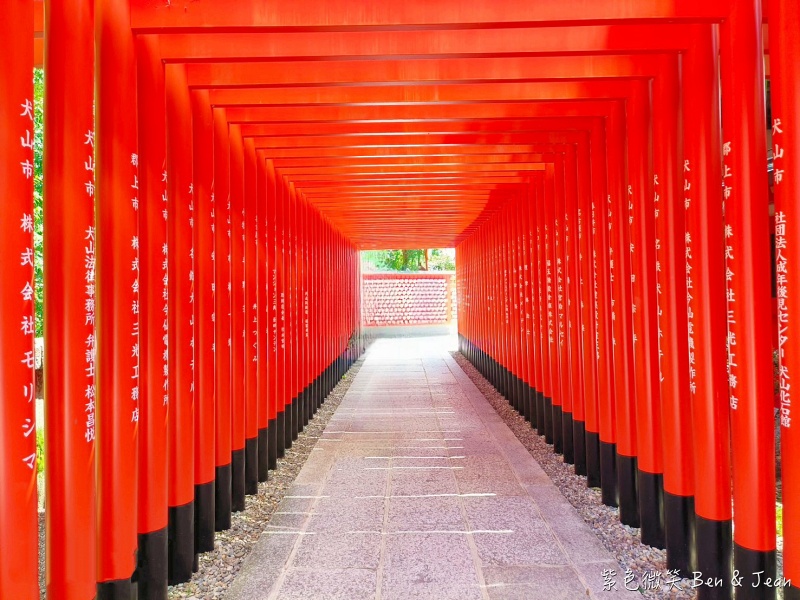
<point x="417" y="489"/>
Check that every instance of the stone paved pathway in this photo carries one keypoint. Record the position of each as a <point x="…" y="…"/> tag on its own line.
<point x="417" y="489"/>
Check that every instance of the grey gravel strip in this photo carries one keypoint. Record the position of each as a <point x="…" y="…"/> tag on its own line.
<point x="219" y="568"/>
<point x="622" y="541"/>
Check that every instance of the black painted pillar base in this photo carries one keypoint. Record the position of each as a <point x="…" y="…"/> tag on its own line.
<point x="237" y="480"/>
<point x="222" y="498"/>
<point x="296" y="417"/>
<point x="540" y="418"/>
<point x="754" y="567"/>
<point x="306" y="396"/>
<point x="280" y="432"/>
<point x="679" y="533"/>
<point x="593" y="459"/>
<point x="651" y="508"/>
<point x="181" y="544"/>
<point x="608" y="474"/>
<point x="151" y="565"/>
<point x="204" y="517"/>
<point x="566" y="434"/>
<point x="120" y="589"/>
<point x="528" y="395"/>
<point x="548" y="420"/>
<point x="558" y="424"/>
<point x="627" y="471"/>
<point x="251" y="466"/>
<point x="313" y="400"/>
<point x="263" y="454"/>
<point x="521" y="392"/>
<point x="792" y="592"/>
<point x="272" y="444"/>
<point x="288" y="432"/>
<point x="714" y="558"/>
<point x="579" y="446"/>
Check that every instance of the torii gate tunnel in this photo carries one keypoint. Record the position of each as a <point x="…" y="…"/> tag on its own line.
<point x="211" y="169"/>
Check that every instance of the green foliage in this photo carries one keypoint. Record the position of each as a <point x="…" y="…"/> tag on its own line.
<point x="779" y="519"/>
<point x="38" y="205"/>
<point x="39" y="450"/>
<point x="440" y="259"/>
<point x="408" y="260"/>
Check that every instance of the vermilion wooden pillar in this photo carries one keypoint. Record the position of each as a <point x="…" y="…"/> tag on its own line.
<point x="645" y="317"/>
<point x="568" y="160"/>
<point x="284" y="410"/>
<point x="520" y="325"/>
<point x="747" y="251"/>
<point x="506" y="346"/>
<point x="262" y="318"/>
<point x="292" y="349"/>
<point x="582" y="273"/>
<point x="18" y="498"/>
<point x="305" y="223"/>
<point x="548" y="313"/>
<point x="673" y="350"/>
<point x="605" y="334"/>
<point x="543" y="366"/>
<point x="705" y="284"/>
<point x="596" y="193"/>
<point x="556" y="257"/>
<point x="785" y="71"/>
<point x="154" y="399"/>
<point x="204" y="318"/>
<point x="251" y="316"/>
<point x="117" y="291"/>
<point x="237" y="318"/>
<point x="222" y="321"/>
<point x="571" y="375"/>
<point x="69" y="302"/>
<point x="572" y="247"/>
<point x="181" y="330"/>
<point x="531" y="308"/>
<point x="275" y="427"/>
<point x="622" y="317"/>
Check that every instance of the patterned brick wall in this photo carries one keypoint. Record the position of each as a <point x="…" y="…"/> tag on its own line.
<point x="408" y="299"/>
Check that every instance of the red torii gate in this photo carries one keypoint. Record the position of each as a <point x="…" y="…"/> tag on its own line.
<point x="143" y="170"/>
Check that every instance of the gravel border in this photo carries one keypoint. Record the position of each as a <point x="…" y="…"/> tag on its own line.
<point x="219" y="568"/>
<point x="620" y="540"/>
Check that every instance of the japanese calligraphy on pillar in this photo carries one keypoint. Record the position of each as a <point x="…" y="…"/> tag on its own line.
<point x="549" y="279"/>
<point x="633" y="252"/>
<point x="687" y="202"/>
<point x="90" y="261"/>
<point x="28" y="426"/>
<point x="165" y="295"/>
<point x="611" y="267"/>
<point x="283" y="293"/>
<point x="580" y="258"/>
<point x="559" y="285"/>
<point x="526" y="284"/>
<point x="782" y="274"/>
<point x="135" y="300"/>
<point x="594" y="283"/>
<point x="255" y="305"/>
<point x="190" y="287"/>
<point x="730" y="265"/>
<point x="659" y="276"/>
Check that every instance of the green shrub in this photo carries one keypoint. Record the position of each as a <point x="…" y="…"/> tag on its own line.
<point x="39" y="450"/>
